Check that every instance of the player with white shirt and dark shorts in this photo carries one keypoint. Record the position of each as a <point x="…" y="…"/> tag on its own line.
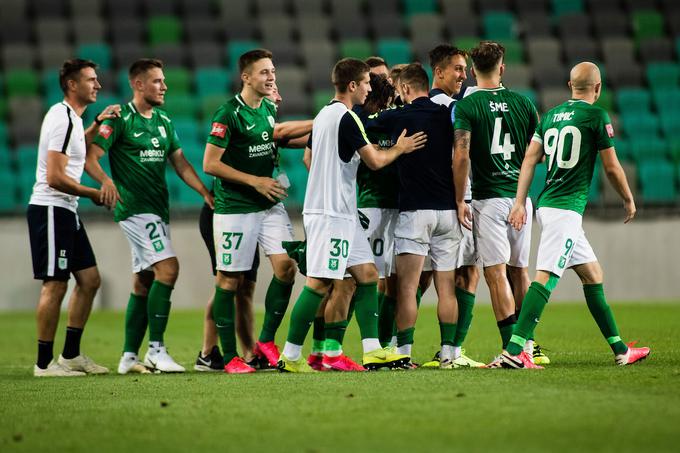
<point x="59" y="244"/>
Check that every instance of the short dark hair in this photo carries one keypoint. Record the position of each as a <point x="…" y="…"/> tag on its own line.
<point x="415" y="75"/>
<point x="380" y="95"/>
<point x="142" y="65"/>
<point x="250" y="57"/>
<point x="348" y="70"/>
<point x="70" y="70"/>
<point x="441" y="55"/>
<point x="487" y="55"/>
<point x="375" y="62"/>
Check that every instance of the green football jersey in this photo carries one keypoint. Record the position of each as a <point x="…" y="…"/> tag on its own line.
<point x="501" y="123"/>
<point x="247" y="136"/>
<point x="572" y="134"/>
<point x="138" y="150"/>
<point x="377" y="189"/>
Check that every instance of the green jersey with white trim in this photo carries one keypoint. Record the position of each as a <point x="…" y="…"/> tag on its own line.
<point x="138" y="150"/>
<point x="247" y="136"/>
<point x="501" y="123"/>
<point x="572" y="134"/>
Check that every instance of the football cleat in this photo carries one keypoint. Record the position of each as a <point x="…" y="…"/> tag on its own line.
<point x="341" y="363"/>
<point x="447" y="364"/>
<point x="132" y="365"/>
<point x="632" y="355"/>
<point x="212" y="362"/>
<point x="434" y="363"/>
<point x="54" y="369"/>
<point x="82" y="363"/>
<point x="466" y="362"/>
<point x="521" y="361"/>
<point x="267" y="350"/>
<point x="495" y="363"/>
<point x="384" y="357"/>
<point x="539" y="356"/>
<point x="238" y="366"/>
<point x="315" y="361"/>
<point x="286" y="365"/>
<point x="159" y="359"/>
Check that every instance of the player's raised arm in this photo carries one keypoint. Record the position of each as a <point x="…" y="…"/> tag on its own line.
<point x="376" y="159"/>
<point x="289" y="130"/>
<point x="617" y="178"/>
<point x="111" y="111"/>
<point x="461" y="168"/>
<point x="518" y="213"/>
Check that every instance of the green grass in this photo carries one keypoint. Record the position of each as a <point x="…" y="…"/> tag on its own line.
<point x="580" y="402"/>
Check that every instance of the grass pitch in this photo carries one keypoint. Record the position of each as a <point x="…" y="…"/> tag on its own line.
<point x="580" y="402"/>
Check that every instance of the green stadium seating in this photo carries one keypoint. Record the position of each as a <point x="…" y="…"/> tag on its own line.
<point x="667" y="100"/>
<point x="356" y="48"/>
<point x="181" y="106"/>
<point x="211" y="81"/>
<point x="100" y="53"/>
<point x="663" y="75"/>
<point x="412" y="7"/>
<point x="656" y="180"/>
<point x="531" y="94"/>
<point x="396" y="51"/>
<point x="466" y="43"/>
<point x="644" y="149"/>
<point x="647" y="24"/>
<point x="3" y="141"/>
<point x="104" y="99"/>
<point x="210" y="104"/>
<point x="674" y="148"/>
<point x="595" y="193"/>
<point x="51" y="88"/>
<point x="633" y="99"/>
<point x="178" y="80"/>
<point x="640" y="124"/>
<point x="538" y="183"/>
<point x="514" y="51"/>
<point x="623" y="151"/>
<point x="499" y="25"/>
<point x="3" y="108"/>
<point x="21" y="82"/>
<point x="164" y="30"/>
<point x="606" y="100"/>
<point x="561" y="7"/>
<point x="123" y="84"/>
<point x="8" y="188"/>
<point x="237" y="48"/>
<point x="321" y="98"/>
<point x="193" y="151"/>
<point x="187" y="129"/>
<point x="670" y="125"/>
<point x="186" y="197"/>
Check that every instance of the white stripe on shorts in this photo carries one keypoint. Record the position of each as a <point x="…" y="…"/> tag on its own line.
<point x="50" y="241"/>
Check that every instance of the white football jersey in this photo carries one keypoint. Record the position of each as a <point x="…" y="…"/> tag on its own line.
<point x="61" y="131"/>
<point x="337" y="135"/>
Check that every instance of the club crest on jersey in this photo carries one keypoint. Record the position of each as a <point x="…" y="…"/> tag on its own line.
<point x="226" y="259"/>
<point x="610" y="130"/>
<point x="161" y="129"/>
<point x="333" y="264"/>
<point x="218" y="130"/>
<point x="271" y="120"/>
<point x="62" y="263"/>
<point x="105" y="131"/>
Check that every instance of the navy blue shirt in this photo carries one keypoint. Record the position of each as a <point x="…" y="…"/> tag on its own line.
<point x="425" y="175"/>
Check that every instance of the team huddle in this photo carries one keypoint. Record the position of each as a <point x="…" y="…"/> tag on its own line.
<point x="407" y="187"/>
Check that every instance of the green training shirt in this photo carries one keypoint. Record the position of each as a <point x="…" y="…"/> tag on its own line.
<point x="138" y="150"/>
<point x="247" y="136"/>
<point x="501" y="123"/>
<point x="572" y="134"/>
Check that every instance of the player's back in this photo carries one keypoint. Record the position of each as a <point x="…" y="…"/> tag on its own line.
<point x="501" y="123"/>
<point x="572" y="134"/>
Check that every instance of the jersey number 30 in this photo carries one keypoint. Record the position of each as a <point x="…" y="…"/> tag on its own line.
<point x="554" y="140"/>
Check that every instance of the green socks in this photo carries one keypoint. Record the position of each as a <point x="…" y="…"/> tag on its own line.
<point x="335" y="334"/>
<point x="303" y="315"/>
<point x="318" y="335"/>
<point x="136" y="320"/>
<point x="466" y="302"/>
<point x="275" y="304"/>
<point x="223" y="314"/>
<point x="532" y="307"/>
<point x="386" y="320"/>
<point x="602" y="313"/>
<point x="158" y="306"/>
<point x="419" y="296"/>
<point x="505" y="327"/>
<point x="447" y="332"/>
<point x="405" y="336"/>
<point x="366" y="309"/>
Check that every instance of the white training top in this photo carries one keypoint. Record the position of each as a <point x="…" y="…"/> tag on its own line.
<point x="337" y="135"/>
<point x="62" y="132"/>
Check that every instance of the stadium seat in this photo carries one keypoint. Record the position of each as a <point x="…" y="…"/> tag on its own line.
<point x="425" y="30"/>
<point x="609" y="24"/>
<point x="538" y="183"/>
<point x="574" y="25"/>
<point x="237" y="48"/>
<point x="666" y="100"/>
<point x="657" y="181"/>
<point x="595" y="193"/>
<point x="53" y="55"/>
<point x="517" y="76"/>
<point x="203" y="30"/>
<point x="321" y="98"/>
<point x="100" y="53"/>
<point x="499" y="26"/>
<point x="211" y="81"/>
<point x="309" y="6"/>
<point x="561" y="7"/>
<point x="606" y="100"/>
<point x="312" y="27"/>
<point x="648" y="148"/>
<point x="656" y="50"/>
<point x="535" y="24"/>
<point x="528" y="92"/>
<point x="514" y="51"/>
<point x="3" y="143"/>
<point x="580" y="49"/>
<point x="670" y="125"/>
<point x="181" y="106"/>
<point x="640" y="124"/>
<point x="88" y="29"/>
<point x="395" y="51"/>
<point x="18" y="56"/>
<point x="177" y="79"/>
<point x="86" y="8"/>
<point x="356" y="48"/>
<point x="412" y="7"/>
<point x="274" y="27"/>
<point x="21" y="82"/>
<point x="205" y="54"/>
<point x="127" y="31"/>
<point x="52" y="30"/>
<point x="647" y="24"/>
<point x="494" y="6"/>
<point x="164" y="30"/>
<point x="466" y="43"/>
<point x="104" y="98"/>
<point x="8" y="187"/>
<point x="633" y="99"/>
<point x="663" y="75"/>
<point x="209" y="105"/>
<point x="187" y="129"/>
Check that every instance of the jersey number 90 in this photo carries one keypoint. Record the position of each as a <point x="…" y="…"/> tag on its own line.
<point x="554" y="142"/>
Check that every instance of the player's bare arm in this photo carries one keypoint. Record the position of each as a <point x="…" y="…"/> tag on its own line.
<point x="111" y="111"/>
<point x="59" y="180"/>
<point x="518" y="213"/>
<point x="188" y="174"/>
<point x="375" y="160"/>
<point x="617" y="178"/>
<point x="461" y="168"/>
<point x="298" y="143"/>
<point x="109" y="193"/>
<point x="213" y="165"/>
<point x="307" y="158"/>
<point x="289" y="130"/>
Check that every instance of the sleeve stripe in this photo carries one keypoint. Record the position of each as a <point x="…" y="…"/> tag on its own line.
<point x="361" y="126"/>
<point x="67" y="138"/>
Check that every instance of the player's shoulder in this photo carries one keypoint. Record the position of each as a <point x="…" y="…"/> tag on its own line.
<point x="270" y="105"/>
<point x="162" y="115"/>
<point x="59" y="113"/>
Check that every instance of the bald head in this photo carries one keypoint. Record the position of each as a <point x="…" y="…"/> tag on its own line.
<point x="584" y="76"/>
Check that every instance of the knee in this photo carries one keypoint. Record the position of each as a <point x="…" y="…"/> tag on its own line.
<point x="494" y="274"/>
<point x="286" y="271"/>
<point x="92" y="283"/>
<point x="167" y="271"/>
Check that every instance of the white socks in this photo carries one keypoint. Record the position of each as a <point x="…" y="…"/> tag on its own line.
<point x="370" y="344"/>
<point x="292" y="351"/>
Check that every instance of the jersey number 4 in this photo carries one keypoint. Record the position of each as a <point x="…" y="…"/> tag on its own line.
<point x="554" y="141"/>
<point x="507" y="148"/>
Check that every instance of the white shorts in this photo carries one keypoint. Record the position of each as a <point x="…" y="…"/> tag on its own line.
<point x="380" y="234"/>
<point x="149" y="239"/>
<point x="563" y="243"/>
<point x="237" y="235"/>
<point x="496" y="240"/>
<point x="429" y="232"/>
<point x="467" y="253"/>
<point x="333" y="245"/>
